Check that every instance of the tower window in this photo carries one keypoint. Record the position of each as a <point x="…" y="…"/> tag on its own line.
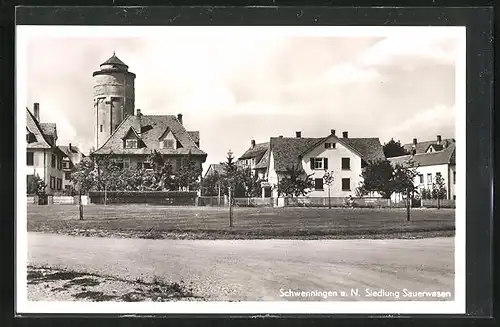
<point x="100" y="128"/>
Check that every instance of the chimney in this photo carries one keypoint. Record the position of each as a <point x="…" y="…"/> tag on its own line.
<point x="345" y="135"/>
<point x="252" y="143"/>
<point x="139" y="113"/>
<point x="179" y="118"/>
<point x="36" y="111"/>
<point x="298" y="134"/>
<point x="414" y="142"/>
<point x="332" y="131"/>
<point x="70" y="147"/>
<point x="439" y="139"/>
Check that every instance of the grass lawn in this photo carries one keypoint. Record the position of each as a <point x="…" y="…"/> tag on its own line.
<point x="147" y="221"/>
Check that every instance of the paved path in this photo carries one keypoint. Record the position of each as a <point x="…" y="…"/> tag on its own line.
<point x="258" y="269"/>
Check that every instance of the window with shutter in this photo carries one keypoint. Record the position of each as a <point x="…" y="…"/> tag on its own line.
<point x="325" y="163"/>
<point x="312" y="163"/>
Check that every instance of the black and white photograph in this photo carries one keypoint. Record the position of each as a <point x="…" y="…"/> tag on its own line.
<point x="245" y="169"/>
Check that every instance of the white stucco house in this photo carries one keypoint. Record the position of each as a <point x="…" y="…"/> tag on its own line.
<point x="343" y="155"/>
<point x="432" y="158"/>
<point x="43" y="156"/>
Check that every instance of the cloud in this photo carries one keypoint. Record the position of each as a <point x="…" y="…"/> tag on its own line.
<point x="408" y="50"/>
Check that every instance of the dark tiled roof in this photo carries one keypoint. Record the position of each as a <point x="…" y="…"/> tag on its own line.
<point x="215" y="168"/>
<point x="50" y="131"/>
<point x="264" y="160"/>
<point x="369" y="148"/>
<point x="195" y="136"/>
<point x="153" y="127"/>
<point x="65" y="149"/>
<point x="286" y="150"/>
<point x="257" y="151"/>
<point x="422" y="147"/>
<point x="33" y="125"/>
<point x="446" y="156"/>
<point x="114" y="60"/>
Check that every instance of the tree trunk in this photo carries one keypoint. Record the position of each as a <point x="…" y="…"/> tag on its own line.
<point x="80" y="205"/>
<point x="408" y="205"/>
<point x="230" y="208"/>
<point x="329" y="199"/>
<point x="218" y="198"/>
<point x="439" y="202"/>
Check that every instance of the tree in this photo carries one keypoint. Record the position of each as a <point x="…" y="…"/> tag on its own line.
<point x="439" y="190"/>
<point x="84" y="177"/>
<point x="188" y="175"/>
<point x="378" y="177"/>
<point x="230" y="179"/>
<point x="108" y="174"/>
<point x="36" y="185"/>
<point x="248" y="182"/>
<point x="404" y="183"/>
<point x="210" y="184"/>
<point x="295" y="182"/>
<point x="328" y="179"/>
<point x="394" y="149"/>
<point x="163" y="173"/>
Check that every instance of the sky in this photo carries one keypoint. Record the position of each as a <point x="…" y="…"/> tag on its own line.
<point x="234" y="87"/>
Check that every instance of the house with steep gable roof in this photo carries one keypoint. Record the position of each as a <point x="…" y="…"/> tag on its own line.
<point x="344" y="156"/>
<point x="138" y="136"/>
<point x="70" y="160"/>
<point x="43" y="157"/>
<point x="431" y="163"/>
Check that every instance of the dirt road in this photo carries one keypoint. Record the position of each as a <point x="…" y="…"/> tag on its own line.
<point x="263" y="269"/>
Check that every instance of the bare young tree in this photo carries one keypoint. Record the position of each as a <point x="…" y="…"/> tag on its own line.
<point x="328" y="179"/>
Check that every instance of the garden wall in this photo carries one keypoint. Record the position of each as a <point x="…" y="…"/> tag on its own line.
<point x="341" y="202"/>
<point x="57" y="199"/>
<point x="135" y="197"/>
<point x="434" y="203"/>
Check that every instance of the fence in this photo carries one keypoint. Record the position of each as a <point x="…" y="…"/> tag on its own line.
<point x="341" y="202"/>
<point x="133" y="197"/>
<point x="211" y="201"/>
<point x="253" y="202"/>
<point x="56" y="199"/>
<point x="442" y="203"/>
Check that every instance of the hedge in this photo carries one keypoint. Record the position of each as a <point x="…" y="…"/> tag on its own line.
<point x="170" y="194"/>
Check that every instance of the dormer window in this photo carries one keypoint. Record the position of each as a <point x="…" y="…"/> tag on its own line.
<point x="330" y="145"/>
<point x="167" y="144"/>
<point x="131" y="144"/>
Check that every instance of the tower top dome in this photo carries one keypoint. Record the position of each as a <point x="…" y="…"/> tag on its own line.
<point x="114" y="60"/>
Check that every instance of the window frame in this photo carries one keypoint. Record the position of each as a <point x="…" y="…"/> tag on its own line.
<point x="342" y="160"/>
<point x="128" y="141"/>
<point x="164" y="142"/>
<point x="342" y="181"/>
<point x="319" y="180"/>
<point x="53" y="161"/>
<point x="421" y="178"/>
<point x="429" y="178"/>
<point x="67" y="175"/>
<point x="28" y="153"/>
<point x="320" y="161"/>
